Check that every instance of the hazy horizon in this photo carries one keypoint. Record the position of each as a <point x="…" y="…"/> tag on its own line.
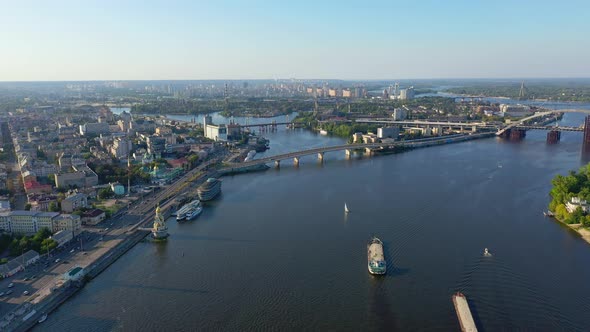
<point x="232" y="40"/>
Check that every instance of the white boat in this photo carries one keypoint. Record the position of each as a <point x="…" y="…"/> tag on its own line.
<point x="190" y="211"/>
<point x="486" y="253"/>
<point x="375" y="257"/>
<point x="43" y="318"/>
<point x="346" y="210"/>
<point x="323" y="132"/>
<point x="194" y="212"/>
<point x="250" y="155"/>
<point x="181" y="213"/>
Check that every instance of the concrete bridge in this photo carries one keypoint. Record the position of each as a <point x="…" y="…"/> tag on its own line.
<point x="350" y="148"/>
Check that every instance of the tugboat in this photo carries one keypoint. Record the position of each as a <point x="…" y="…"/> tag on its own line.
<point x="209" y="190"/>
<point x="159" y="229"/>
<point x="375" y="257"/>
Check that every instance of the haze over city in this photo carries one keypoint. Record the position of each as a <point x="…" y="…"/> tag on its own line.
<point x="138" y="40"/>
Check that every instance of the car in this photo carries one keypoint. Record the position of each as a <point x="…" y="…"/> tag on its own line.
<point x="57" y="260"/>
<point x="85" y="253"/>
<point x="8" y="292"/>
<point x="26" y="279"/>
<point x="10" y="285"/>
<point x="26" y="293"/>
<point x="71" y="251"/>
<point x="1" y="294"/>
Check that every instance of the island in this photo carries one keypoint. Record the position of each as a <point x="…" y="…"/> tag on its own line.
<point x="569" y="204"/>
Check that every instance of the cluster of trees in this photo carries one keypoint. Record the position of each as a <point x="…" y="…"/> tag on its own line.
<point x="116" y="173"/>
<point x="560" y="91"/>
<point x="258" y="107"/>
<point x="19" y="244"/>
<point x="575" y="184"/>
<point x="178" y="106"/>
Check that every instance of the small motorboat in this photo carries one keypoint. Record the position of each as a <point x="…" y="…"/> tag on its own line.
<point x="346" y="210"/>
<point x="486" y="253"/>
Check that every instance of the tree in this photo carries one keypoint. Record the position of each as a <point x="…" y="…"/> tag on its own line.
<point x="105" y="193"/>
<point x="28" y="207"/>
<point x="54" y="207"/>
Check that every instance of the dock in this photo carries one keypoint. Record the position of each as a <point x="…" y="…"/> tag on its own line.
<point x="463" y="313"/>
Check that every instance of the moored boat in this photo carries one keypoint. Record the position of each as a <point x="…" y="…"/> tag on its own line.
<point x="375" y="257"/>
<point x="209" y="190"/>
<point x="194" y="211"/>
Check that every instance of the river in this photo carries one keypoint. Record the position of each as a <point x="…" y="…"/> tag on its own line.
<point x="277" y="252"/>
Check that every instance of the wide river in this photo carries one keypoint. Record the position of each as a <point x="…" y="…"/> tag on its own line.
<point x="277" y="252"/>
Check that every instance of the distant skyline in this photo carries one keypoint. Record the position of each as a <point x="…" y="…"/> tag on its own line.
<point x="185" y="40"/>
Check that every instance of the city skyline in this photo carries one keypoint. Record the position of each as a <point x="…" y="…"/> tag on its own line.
<point x="69" y="41"/>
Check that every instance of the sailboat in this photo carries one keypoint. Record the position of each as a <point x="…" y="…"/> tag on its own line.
<point x="346" y="210"/>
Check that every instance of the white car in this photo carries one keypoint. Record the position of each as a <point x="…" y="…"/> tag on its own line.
<point x="26" y="292"/>
<point x="10" y="285"/>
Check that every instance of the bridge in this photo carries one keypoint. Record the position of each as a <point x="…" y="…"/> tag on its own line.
<point x="349" y="148"/>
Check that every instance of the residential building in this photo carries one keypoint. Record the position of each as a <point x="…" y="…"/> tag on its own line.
<point x="74" y="202"/>
<point x="122" y="147"/>
<point x="94" y="128"/>
<point x="156" y="145"/>
<point x="62" y="237"/>
<point x="67" y="222"/>
<point x="93" y="217"/>
<point x="576" y="203"/>
<point x="18" y="264"/>
<point x="399" y="114"/>
<point x="406" y="94"/>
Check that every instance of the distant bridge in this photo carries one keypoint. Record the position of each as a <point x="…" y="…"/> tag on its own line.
<point x="349" y="148"/>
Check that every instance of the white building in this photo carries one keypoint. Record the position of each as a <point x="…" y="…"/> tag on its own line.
<point x="122" y="147"/>
<point x="575" y="203"/>
<point x="214" y="132"/>
<point x="406" y="94"/>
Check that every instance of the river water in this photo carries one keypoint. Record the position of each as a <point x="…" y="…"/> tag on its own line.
<point x="277" y="252"/>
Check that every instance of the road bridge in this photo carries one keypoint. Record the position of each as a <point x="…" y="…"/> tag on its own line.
<point x="349" y="148"/>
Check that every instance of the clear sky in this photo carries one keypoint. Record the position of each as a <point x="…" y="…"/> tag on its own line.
<point x="250" y="39"/>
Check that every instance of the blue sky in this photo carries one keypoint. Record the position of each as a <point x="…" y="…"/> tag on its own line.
<point x="124" y="40"/>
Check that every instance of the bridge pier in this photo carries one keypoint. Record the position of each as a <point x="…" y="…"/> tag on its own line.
<point x="296" y="161"/>
<point x="321" y="156"/>
<point x="277" y="163"/>
<point x="553" y="136"/>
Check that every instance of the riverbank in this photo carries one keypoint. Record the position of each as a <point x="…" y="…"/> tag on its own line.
<point x="578" y="228"/>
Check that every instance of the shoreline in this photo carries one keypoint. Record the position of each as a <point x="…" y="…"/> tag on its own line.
<point x="578" y="228"/>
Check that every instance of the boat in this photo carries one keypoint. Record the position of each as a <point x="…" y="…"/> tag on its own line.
<point x="250" y="155"/>
<point x="375" y="257"/>
<point x="548" y="214"/>
<point x="346" y="210"/>
<point x="181" y="213"/>
<point x="189" y="211"/>
<point x="323" y="132"/>
<point x="486" y="253"/>
<point x="209" y="190"/>
<point x="43" y="318"/>
<point x="194" y="211"/>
